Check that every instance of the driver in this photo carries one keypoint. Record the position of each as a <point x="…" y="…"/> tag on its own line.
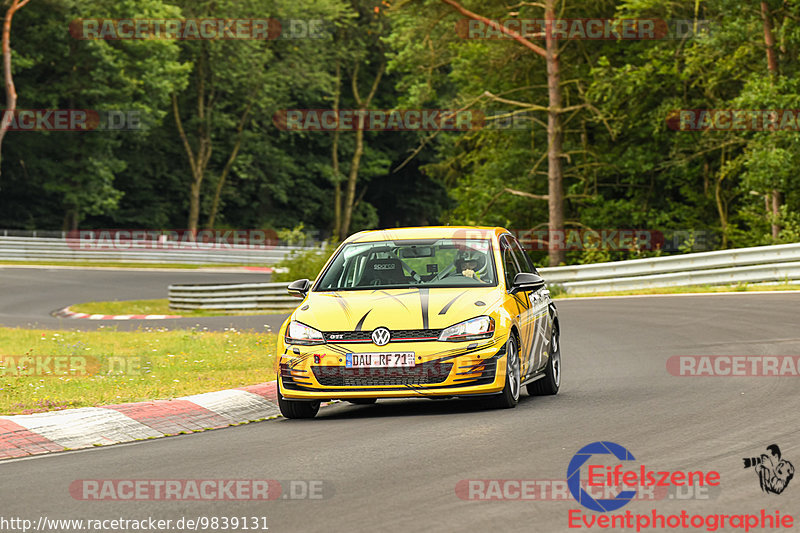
<point x="469" y="262"/>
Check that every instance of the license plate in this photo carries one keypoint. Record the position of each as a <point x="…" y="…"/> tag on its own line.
<point x="380" y="360"/>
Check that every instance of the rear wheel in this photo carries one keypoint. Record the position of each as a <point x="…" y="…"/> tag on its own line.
<point x="509" y="397"/>
<point x="549" y="384"/>
<point x="363" y="401"/>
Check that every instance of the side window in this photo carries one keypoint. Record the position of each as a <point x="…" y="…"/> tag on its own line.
<point x="509" y="265"/>
<point x="523" y="259"/>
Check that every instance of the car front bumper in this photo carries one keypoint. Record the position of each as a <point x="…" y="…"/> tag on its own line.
<point x="441" y="369"/>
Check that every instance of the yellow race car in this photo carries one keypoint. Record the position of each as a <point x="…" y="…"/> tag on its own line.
<point x="420" y="313"/>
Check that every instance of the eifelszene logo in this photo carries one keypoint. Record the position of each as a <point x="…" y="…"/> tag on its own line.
<point x="574" y="476"/>
<point x="604" y="476"/>
<point x="774" y="473"/>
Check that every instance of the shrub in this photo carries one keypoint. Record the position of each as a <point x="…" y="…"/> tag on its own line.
<point x="303" y="264"/>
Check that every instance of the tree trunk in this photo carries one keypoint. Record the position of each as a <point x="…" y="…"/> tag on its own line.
<point x="197" y="161"/>
<point x="772" y="65"/>
<point x="363" y="105"/>
<point x="776" y="212"/>
<point x="212" y="217"/>
<point x="555" y="136"/>
<point x="769" y="40"/>
<point x="337" y="188"/>
<point x="70" y="222"/>
<point x="11" y="92"/>
<point x="350" y="194"/>
<point x="194" y="204"/>
<point x="722" y="208"/>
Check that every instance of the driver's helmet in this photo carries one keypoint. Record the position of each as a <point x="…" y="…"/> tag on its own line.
<point x="469" y="259"/>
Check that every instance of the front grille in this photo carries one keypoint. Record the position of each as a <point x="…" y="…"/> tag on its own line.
<point x="398" y="335"/>
<point x="424" y="374"/>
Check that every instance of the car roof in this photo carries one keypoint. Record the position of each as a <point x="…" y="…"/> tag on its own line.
<point x="427" y="232"/>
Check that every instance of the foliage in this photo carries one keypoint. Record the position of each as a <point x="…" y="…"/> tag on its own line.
<point x="625" y="165"/>
<point x="305" y="264"/>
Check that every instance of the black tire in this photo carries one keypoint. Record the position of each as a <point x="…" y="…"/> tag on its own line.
<point x="363" y="401"/>
<point x="509" y="397"/>
<point x="296" y="408"/>
<point x="550" y="383"/>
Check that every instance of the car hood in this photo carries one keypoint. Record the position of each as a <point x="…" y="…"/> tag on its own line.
<point x="365" y="310"/>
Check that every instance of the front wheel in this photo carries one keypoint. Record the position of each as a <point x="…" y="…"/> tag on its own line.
<point x="297" y="408"/>
<point x="549" y="384"/>
<point x="509" y="397"/>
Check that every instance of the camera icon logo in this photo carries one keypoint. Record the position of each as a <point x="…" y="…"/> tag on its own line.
<point x="774" y="472"/>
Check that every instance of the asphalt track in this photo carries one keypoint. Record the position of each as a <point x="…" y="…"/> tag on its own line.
<point x="394" y="466"/>
<point x="28" y="297"/>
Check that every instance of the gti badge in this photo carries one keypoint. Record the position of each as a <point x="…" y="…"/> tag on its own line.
<point x="381" y="336"/>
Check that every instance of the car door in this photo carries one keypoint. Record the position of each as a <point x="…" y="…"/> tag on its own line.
<point x="523" y="306"/>
<point x="539" y="304"/>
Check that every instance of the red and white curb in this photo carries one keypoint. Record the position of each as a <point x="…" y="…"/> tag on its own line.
<point x="22" y="435"/>
<point x="67" y="313"/>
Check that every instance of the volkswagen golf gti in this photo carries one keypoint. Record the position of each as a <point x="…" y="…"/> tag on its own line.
<point x="427" y="312"/>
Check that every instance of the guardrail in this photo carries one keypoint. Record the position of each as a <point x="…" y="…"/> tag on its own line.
<point x="72" y="250"/>
<point x="745" y="265"/>
<point x="232" y="297"/>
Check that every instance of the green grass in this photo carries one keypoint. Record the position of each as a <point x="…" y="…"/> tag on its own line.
<point x="110" y="367"/>
<point x="692" y="289"/>
<point x="112" y="264"/>
<point x="155" y="307"/>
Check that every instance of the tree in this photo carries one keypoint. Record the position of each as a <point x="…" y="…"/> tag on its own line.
<point x="11" y="92"/>
<point x="360" y="53"/>
<point x="235" y="82"/>
<point x="75" y="171"/>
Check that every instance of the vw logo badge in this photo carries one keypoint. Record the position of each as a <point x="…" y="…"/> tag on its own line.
<point x="381" y="336"/>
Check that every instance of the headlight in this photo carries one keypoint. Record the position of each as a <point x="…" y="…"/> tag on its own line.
<point x="299" y="333"/>
<point x="473" y="329"/>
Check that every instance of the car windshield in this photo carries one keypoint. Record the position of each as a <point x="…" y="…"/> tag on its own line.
<point x="428" y="263"/>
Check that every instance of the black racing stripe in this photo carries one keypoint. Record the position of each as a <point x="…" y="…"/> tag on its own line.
<point x="361" y="322"/>
<point x="337" y="349"/>
<point x="423" y="298"/>
<point x="297" y="360"/>
<point x="451" y="302"/>
<point x="343" y="304"/>
<point x="395" y="298"/>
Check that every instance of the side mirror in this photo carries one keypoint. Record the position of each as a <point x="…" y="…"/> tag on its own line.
<point x="299" y="288"/>
<point x="525" y="281"/>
